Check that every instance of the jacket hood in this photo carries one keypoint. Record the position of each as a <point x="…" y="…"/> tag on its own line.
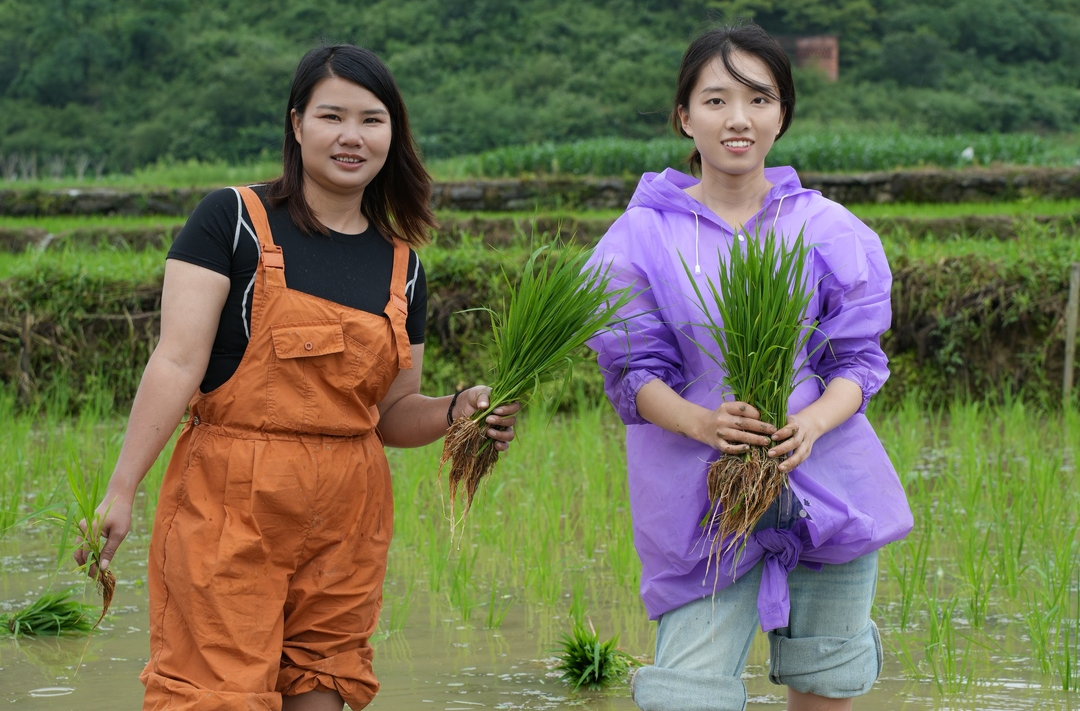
<point x="667" y="190"/>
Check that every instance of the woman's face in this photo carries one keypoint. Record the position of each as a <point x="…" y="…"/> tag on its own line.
<point x="733" y="125"/>
<point x="344" y="136"/>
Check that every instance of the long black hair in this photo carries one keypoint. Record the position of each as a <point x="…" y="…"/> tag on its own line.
<point x="745" y="38"/>
<point x="397" y="200"/>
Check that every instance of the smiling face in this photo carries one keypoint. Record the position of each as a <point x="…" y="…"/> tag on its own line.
<point x="344" y="136"/>
<point x="733" y="125"/>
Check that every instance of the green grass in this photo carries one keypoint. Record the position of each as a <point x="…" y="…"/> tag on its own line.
<point x="74" y="262"/>
<point x="67" y="223"/>
<point x="1019" y="208"/>
<point x="169" y="174"/>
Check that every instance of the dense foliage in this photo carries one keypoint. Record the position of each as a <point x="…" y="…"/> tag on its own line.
<point x="103" y="85"/>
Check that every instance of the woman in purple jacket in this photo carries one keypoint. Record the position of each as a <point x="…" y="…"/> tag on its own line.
<point x="808" y="571"/>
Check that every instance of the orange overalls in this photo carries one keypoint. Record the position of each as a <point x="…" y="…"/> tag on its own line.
<point x="272" y="527"/>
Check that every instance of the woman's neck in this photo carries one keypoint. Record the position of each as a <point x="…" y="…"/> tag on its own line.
<point x="338" y="212"/>
<point x="733" y="198"/>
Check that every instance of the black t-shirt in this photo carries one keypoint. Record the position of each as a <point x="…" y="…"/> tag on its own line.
<point x="351" y="270"/>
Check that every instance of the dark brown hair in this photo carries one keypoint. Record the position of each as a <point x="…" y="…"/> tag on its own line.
<point x="397" y="200"/>
<point x="745" y="38"/>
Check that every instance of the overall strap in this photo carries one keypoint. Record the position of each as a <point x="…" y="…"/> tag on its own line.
<point x="397" y="308"/>
<point x="271" y="259"/>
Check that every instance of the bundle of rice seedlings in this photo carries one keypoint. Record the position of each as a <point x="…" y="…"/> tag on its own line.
<point x="538" y="338"/>
<point x="70" y="522"/>
<point x="54" y="613"/>
<point x="760" y="297"/>
<point x="587" y="662"/>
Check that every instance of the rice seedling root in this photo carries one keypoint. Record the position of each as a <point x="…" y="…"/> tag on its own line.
<point x="472" y="456"/>
<point x="106" y="585"/>
<point x="741" y="488"/>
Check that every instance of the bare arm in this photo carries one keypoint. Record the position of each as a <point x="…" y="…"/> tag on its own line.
<point x="730" y="428"/>
<point x="409" y="419"/>
<point x="191" y="301"/>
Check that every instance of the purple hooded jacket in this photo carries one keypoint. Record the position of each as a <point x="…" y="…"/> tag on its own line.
<point x="853" y="499"/>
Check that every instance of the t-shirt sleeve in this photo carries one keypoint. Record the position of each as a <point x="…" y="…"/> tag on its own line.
<point x="208" y="238"/>
<point x="416" y="293"/>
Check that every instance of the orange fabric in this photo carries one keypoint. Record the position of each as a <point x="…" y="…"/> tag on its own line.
<point x="269" y="545"/>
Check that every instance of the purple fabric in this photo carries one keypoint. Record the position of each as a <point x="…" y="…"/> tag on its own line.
<point x="848" y="487"/>
<point x="782" y="549"/>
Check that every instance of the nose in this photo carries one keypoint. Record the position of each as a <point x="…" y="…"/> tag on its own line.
<point x="350" y="134"/>
<point x="737" y="118"/>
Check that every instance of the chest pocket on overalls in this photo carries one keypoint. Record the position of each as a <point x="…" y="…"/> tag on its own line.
<point x="319" y="380"/>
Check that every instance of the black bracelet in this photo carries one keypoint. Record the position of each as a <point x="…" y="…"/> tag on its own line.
<point x="450" y="410"/>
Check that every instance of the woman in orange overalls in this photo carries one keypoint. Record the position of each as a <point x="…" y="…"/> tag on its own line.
<point x="270" y="538"/>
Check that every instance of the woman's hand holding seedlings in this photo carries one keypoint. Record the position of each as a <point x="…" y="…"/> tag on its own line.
<point x="730" y="428"/>
<point x="501" y="421"/>
<point x="734" y="426"/>
<point x="113" y="524"/>
<point x="795" y="440"/>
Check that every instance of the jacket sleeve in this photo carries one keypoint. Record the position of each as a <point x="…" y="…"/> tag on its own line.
<point x="854" y="284"/>
<point x="640" y="346"/>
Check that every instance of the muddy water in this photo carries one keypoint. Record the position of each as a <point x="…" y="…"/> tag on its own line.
<point x="435" y="662"/>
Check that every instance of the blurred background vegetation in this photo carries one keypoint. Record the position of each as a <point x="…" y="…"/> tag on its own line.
<point x="91" y="87"/>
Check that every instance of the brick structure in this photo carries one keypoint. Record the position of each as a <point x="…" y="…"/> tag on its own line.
<point x="820" y="51"/>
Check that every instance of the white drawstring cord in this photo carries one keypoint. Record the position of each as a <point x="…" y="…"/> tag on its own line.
<point x="777" y="215"/>
<point x="697" y="234"/>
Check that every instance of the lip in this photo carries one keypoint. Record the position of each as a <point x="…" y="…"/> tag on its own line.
<point x="738" y="150"/>
<point x="354" y="162"/>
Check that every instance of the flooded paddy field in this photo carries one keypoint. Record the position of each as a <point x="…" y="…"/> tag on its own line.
<point x="978" y="607"/>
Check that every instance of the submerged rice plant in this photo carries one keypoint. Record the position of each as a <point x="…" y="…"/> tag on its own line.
<point x="554" y="308"/>
<point x="53" y="613"/>
<point x="587" y="662"/>
<point x="761" y="298"/>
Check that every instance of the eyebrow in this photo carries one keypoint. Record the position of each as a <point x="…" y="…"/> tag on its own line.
<point x="340" y="109"/>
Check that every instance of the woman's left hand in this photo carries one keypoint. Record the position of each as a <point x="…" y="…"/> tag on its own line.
<point x="796" y="440"/>
<point x="500" y="422"/>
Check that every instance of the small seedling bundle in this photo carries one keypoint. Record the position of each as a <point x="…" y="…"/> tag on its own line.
<point x="760" y="297"/>
<point x="587" y="662"/>
<point x="554" y="307"/>
<point x="52" y="614"/>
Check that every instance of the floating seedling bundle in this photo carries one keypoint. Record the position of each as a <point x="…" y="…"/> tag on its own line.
<point x="760" y="297"/>
<point x="555" y="307"/>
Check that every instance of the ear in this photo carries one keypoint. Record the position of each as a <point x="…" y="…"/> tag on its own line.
<point x="296" y="121"/>
<point x="684" y="119"/>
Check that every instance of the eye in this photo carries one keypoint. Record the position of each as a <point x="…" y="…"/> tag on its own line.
<point x="714" y="101"/>
<point x="760" y="100"/>
<point x="330" y="117"/>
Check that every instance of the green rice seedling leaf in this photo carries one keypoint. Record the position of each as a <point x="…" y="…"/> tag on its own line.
<point x="760" y="297"/>
<point x="587" y="662"/>
<point x="52" y="614"/>
<point x="537" y="338"/>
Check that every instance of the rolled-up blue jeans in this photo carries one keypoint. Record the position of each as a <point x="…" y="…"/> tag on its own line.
<point x="830" y="647"/>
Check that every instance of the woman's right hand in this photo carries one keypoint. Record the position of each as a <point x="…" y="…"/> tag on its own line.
<point x="729" y="429"/>
<point x="733" y="427"/>
<point x="113" y="517"/>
